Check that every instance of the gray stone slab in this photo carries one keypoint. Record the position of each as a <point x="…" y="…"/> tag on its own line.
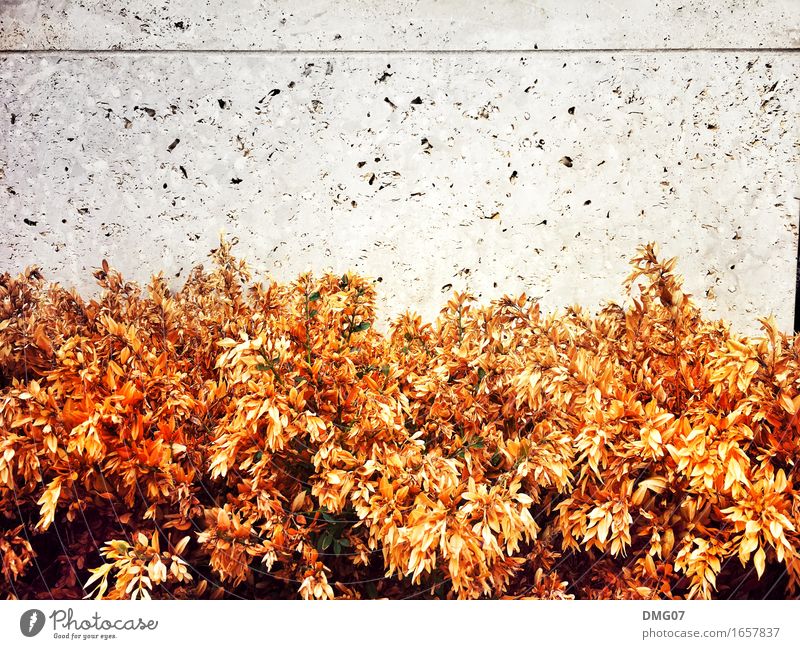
<point x="428" y="173"/>
<point x="397" y="24"/>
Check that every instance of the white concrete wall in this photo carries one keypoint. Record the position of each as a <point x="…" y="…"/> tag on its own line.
<point x="433" y="168"/>
<point x="398" y="24"/>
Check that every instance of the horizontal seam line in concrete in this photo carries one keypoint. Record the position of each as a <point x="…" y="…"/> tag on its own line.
<point x="313" y="52"/>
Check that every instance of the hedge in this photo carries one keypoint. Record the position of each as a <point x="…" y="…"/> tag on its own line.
<point x="254" y="439"/>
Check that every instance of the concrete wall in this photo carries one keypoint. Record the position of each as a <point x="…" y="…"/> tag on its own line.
<point x="421" y="143"/>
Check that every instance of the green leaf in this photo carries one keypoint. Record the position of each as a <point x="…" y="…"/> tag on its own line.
<point x="496" y="459"/>
<point x="361" y="326"/>
<point x="313" y="313"/>
<point x="325" y="541"/>
<point x="481" y="374"/>
<point x="257" y="457"/>
<point x="314" y="296"/>
<point x="263" y="367"/>
<point x="345" y="543"/>
<point x="344" y="281"/>
<point x="337" y="547"/>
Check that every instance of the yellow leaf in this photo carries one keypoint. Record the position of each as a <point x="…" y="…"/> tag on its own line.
<point x="180" y="546"/>
<point x="298" y="501"/>
<point x="759" y="560"/>
<point x="751" y="366"/>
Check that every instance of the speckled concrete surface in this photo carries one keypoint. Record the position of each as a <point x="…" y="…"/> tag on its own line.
<point x="486" y="172"/>
<point x="397" y="24"/>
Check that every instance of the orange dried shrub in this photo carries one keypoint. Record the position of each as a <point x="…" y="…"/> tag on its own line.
<point x="275" y="444"/>
<point x="137" y="567"/>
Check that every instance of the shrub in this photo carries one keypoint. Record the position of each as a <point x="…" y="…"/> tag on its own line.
<point x="276" y="444"/>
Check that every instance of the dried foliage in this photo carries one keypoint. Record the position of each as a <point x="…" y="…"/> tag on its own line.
<point x="274" y="444"/>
